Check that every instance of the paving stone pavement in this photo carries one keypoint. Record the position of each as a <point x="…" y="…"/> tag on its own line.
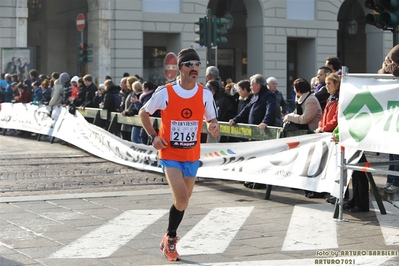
<point x="33" y="167"/>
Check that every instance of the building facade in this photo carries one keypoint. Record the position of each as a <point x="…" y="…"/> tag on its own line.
<point x="286" y="39"/>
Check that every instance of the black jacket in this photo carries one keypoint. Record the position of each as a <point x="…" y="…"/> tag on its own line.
<point x="241" y="105"/>
<point x="322" y="95"/>
<point x="90" y="93"/>
<point x="225" y="107"/>
<point x="112" y="99"/>
<point x="81" y="96"/>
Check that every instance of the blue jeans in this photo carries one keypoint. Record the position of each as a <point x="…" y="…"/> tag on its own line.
<point x="136" y="138"/>
<point x="393" y="179"/>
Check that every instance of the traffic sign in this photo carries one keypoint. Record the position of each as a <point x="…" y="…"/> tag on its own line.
<point x="80" y="22"/>
<point x="170" y="66"/>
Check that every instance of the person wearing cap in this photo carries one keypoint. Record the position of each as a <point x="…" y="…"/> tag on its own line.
<point x="183" y="104"/>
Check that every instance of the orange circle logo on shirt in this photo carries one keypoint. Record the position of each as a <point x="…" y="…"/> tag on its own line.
<point x="186" y="113"/>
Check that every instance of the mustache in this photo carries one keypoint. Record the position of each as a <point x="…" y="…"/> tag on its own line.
<point x="193" y="71"/>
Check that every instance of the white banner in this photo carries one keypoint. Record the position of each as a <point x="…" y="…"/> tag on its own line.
<point x="368" y="114"/>
<point x="307" y="162"/>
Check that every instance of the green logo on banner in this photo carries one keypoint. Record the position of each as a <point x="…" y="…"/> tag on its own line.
<point x="361" y="120"/>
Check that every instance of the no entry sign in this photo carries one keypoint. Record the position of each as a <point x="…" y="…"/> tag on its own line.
<point x="80" y="22"/>
<point x="170" y="66"/>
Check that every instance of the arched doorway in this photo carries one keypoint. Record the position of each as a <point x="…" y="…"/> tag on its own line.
<point x="52" y="31"/>
<point x="351" y="43"/>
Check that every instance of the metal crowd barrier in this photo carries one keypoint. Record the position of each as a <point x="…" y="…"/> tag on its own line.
<point x="245" y="131"/>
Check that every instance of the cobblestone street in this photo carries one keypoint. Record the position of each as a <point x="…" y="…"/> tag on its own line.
<point x="34" y="167"/>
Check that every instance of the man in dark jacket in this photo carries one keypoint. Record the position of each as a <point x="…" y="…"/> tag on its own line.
<point x="91" y="91"/>
<point x="320" y="91"/>
<point x="261" y="110"/>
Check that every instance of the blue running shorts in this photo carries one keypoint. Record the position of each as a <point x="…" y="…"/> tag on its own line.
<point x="189" y="169"/>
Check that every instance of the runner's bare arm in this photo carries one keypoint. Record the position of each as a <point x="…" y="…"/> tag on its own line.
<point x="146" y="122"/>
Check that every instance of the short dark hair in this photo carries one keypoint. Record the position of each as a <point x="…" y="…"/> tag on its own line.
<point x="21" y="85"/>
<point x="108" y="77"/>
<point x="214" y="84"/>
<point x="325" y="69"/>
<point x="88" y="78"/>
<point x="149" y="85"/>
<point x="244" y="84"/>
<point x="33" y="73"/>
<point x="125" y="75"/>
<point x="334" y="61"/>
<point x="55" y="75"/>
<point x="43" y="76"/>
<point x="301" y="85"/>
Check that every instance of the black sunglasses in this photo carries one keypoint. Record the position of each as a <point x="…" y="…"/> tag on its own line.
<point x="191" y="64"/>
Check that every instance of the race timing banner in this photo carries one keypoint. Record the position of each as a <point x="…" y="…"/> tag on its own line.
<point x="308" y="162"/>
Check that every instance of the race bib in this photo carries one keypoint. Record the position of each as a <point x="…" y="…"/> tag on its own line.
<point x="183" y="134"/>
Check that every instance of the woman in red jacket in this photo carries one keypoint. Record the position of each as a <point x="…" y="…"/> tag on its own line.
<point x="329" y="118"/>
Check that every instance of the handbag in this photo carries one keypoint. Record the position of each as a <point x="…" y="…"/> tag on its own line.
<point x="72" y="109"/>
<point x="289" y="126"/>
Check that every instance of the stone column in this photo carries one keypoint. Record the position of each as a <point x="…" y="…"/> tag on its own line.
<point x="21" y="23"/>
<point x="99" y="34"/>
